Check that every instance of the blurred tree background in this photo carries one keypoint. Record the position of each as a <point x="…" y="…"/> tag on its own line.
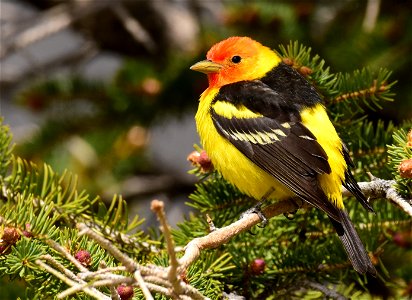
<point x="103" y="88"/>
<point x="108" y="85"/>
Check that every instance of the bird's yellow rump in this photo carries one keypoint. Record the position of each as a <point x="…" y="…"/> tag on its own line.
<point x="267" y="132"/>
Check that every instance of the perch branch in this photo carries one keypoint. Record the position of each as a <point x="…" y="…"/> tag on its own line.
<point x="376" y="188"/>
<point x="224" y="234"/>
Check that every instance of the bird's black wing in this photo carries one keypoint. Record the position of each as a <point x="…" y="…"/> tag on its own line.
<point x="275" y="140"/>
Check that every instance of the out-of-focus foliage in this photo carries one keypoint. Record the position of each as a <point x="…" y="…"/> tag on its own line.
<point x="107" y="123"/>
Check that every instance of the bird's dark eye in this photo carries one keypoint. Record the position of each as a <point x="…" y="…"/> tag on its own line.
<point x="236" y="59"/>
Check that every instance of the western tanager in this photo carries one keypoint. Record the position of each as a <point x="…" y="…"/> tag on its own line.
<point x="266" y="131"/>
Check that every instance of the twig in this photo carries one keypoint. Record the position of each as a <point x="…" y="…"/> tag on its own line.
<point x="325" y="290"/>
<point x="142" y="285"/>
<point x="133" y="26"/>
<point x="113" y="290"/>
<point x="224" y="234"/>
<point x="98" y="283"/>
<point x="90" y="291"/>
<point x="130" y="264"/>
<point x="366" y="92"/>
<point x="158" y="207"/>
<point x="69" y="274"/>
<point x="159" y="289"/>
<point x="66" y="254"/>
<point x="371" y="15"/>
<point x="393" y="195"/>
<point x="89" y="274"/>
<point x="117" y="236"/>
<point x="377" y="188"/>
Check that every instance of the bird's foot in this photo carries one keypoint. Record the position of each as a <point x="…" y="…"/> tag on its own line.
<point x="257" y="209"/>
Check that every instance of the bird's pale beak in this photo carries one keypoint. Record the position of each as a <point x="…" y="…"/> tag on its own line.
<point x="206" y="66"/>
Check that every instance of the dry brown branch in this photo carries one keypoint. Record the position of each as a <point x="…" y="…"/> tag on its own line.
<point x="223" y="235"/>
<point x="374" y="89"/>
<point x="49" y="22"/>
<point x="69" y="278"/>
<point x="158" y="207"/>
<point x="130" y="264"/>
<point x="133" y="26"/>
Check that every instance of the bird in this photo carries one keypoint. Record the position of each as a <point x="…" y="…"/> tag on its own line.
<point x="267" y="132"/>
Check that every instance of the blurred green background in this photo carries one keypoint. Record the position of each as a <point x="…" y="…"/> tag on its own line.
<point x="103" y="88"/>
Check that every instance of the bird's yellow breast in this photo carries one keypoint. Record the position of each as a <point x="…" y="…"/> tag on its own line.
<point x="229" y="161"/>
<point x="251" y="179"/>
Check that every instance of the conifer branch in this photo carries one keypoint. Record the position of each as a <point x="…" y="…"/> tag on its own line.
<point x="222" y="235"/>
<point x="66" y="254"/>
<point x="376" y="188"/>
<point x="130" y="264"/>
<point x="148" y="278"/>
<point x="374" y="89"/>
<point x="68" y="277"/>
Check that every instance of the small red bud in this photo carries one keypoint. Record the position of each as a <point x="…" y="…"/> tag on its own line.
<point x="305" y="71"/>
<point x="10" y="235"/>
<point x="27" y="232"/>
<point x="84" y="257"/>
<point x="201" y="160"/>
<point x="288" y="61"/>
<point x="257" y="266"/>
<point x="125" y="292"/>
<point x="405" y="168"/>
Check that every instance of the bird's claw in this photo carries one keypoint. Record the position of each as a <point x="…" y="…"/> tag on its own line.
<point x="257" y="209"/>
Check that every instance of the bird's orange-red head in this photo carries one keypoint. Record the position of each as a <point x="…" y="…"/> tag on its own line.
<point x="236" y="59"/>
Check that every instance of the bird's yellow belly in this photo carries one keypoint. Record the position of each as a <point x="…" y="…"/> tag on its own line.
<point x="233" y="165"/>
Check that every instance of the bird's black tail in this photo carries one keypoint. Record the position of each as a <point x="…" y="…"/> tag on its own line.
<point x="353" y="245"/>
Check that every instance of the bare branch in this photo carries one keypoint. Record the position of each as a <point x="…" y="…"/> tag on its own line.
<point x="130" y="264"/>
<point x="142" y="285"/>
<point x="158" y="207"/>
<point x="53" y="20"/>
<point x="65" y="278"/>
<point x="371" y="15"/>
<point x="133" y="26"/>
<point x="223" y="235"/>
<point x="62" y="250"/>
